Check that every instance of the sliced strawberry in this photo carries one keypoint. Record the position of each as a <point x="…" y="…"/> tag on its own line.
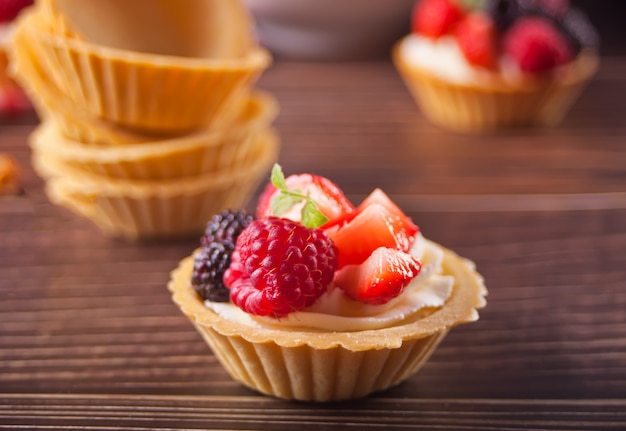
<point x="378" y="222"/>
<point x="382" y="277"/>
<point x="264" y="204"/>
<point x="326" y="195"/>
<point x="476" y="36"/>
<point x="434" y="18"/>
<point x="377" y="196"/>
<point x="333" y="225"/>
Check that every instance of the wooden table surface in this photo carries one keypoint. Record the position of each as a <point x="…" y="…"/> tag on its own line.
<point x="90" y="340"/>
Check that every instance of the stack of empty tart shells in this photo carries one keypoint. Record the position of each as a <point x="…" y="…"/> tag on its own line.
<point x="150" y="119"/>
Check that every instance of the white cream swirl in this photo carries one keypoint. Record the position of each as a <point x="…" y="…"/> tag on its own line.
<point x="443" y="58"/>
<point x="335" y="311"/>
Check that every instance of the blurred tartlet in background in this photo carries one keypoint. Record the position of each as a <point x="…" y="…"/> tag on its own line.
<point x="330" y="29"/>
<point x="481" y="65"/>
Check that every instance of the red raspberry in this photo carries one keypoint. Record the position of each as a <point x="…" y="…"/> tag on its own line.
<point x="434" y="18"/>
<point x="279" y="266"/>
<point x="9" y="9"/>
<point x="537" y="45"/>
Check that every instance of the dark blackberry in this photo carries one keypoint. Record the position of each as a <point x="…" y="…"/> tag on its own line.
<point x="555" y="9"/>
<point x="503" y="12"/>
<point x="218" y="243"/>
<point x="226" y="227"/>
<point x="208" y="271"/>
<point x="579" y="30"/>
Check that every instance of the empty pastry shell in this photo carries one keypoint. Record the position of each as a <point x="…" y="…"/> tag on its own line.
<point x="188" y="28"/>
<point x="137" y="210"/>
<point x="139" y="91"/>
<point x="86" y="129"/>
<point x="187" y="156"/>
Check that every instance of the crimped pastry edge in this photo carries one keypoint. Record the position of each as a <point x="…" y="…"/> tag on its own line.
<point x="467" y="297"/>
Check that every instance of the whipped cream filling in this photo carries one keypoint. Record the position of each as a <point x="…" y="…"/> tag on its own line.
<point x="443" y="58"/>
<point x="335" y="311"/>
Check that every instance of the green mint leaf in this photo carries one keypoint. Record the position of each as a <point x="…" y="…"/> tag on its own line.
<point x="278" y="178"/>
<point x="283" y="202"/>
<point x="286" y="199"/>
<point x="311" y="217"/>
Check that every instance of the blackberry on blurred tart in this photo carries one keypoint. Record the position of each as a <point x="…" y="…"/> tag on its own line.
<point x="479" y="65"/>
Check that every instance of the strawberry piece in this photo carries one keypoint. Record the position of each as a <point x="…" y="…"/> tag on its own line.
<point x="382" y="277"/>
<point x="377" y="196"/>
<point x="377" y="222"/>
<point x="327" y="196"/>
<point x="536" y="45"/>
<point x="434" y="18"/>
<point x="9" y="9"/>
<point x="476" y="36"/>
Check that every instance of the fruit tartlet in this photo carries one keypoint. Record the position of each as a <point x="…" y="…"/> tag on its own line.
<point x="480" y="65"/>
<point x="316" y="299"/>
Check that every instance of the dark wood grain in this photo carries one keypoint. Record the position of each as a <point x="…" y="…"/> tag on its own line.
<point x="250" y="413"/>
<point x="89" y="338"/>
